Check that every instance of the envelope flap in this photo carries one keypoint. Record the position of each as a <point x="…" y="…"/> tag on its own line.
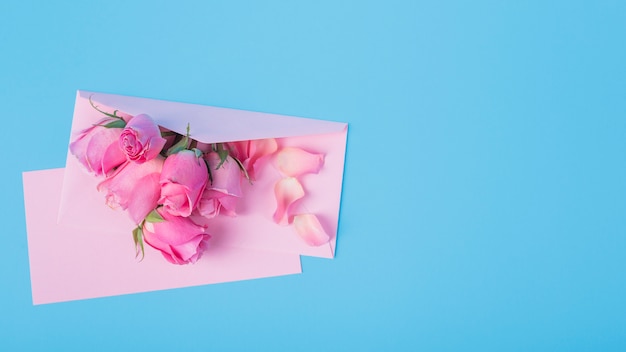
<point x="210" y="124"/>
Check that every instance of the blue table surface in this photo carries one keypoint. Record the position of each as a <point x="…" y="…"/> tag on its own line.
<point x="484" y="191"/>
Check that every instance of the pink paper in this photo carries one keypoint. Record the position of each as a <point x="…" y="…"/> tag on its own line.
<point x="68" y="263"/>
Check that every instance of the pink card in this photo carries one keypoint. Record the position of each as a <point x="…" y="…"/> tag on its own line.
<point x="68" y="263"/>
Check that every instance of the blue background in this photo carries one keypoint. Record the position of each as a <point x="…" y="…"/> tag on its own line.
<point x="485" y="182"/>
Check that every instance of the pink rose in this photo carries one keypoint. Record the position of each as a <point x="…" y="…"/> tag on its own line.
<point x="221" y="195"/>
<point x="134" y="187"/>
<point x="183" y="180"/>
<point x="98" y="150"/>
<point x="141" y="139"/>
<point x="179" y="239"/>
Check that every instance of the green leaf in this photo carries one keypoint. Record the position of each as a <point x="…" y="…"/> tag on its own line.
<point x="154" y="216"/>
<point x="116" y="124"/>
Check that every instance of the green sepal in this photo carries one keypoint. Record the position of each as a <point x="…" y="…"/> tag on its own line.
<point x="115" y="124"/>
<point x="180" y="146"/>
<point x="154" y="216"/>
<point x="223" y="154"/>
<point x="138" y="239"/>
<point x="136" y="236"/>
<point x="198" y="152"/>
<point x="208" y="169"/>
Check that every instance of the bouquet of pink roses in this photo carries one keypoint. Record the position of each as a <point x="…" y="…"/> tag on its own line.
<point x="172" y="185"/>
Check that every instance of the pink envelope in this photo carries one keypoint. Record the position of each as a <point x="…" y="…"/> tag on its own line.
<point x="88" y="251"/>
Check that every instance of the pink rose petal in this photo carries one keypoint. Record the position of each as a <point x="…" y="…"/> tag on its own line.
<point x="178" y="238"/>
<point x="287" y="191"/>
<point x="310" y="230"/>
<point x="214" y="203"/>
<point x="292" y="161"/>
<point x="97" y="149"/>
<point x="134" y="187"/>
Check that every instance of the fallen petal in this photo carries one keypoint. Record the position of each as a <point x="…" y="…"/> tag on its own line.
<point x="292" y="161"/>
<point x="287" y="191"/>
<point x="310" y="230"/>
